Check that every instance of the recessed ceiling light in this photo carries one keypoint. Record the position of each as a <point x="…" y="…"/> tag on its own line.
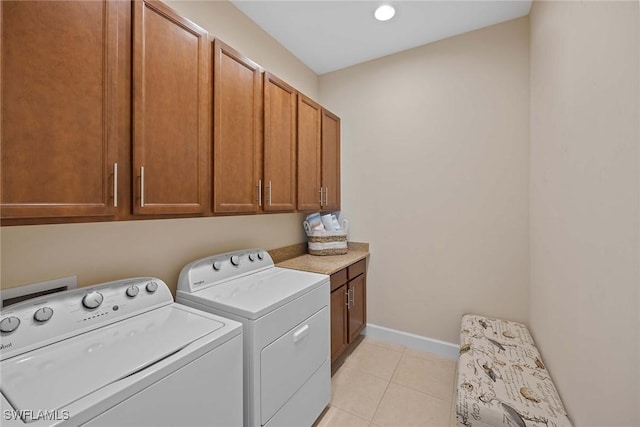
<point x="384" y="12"/>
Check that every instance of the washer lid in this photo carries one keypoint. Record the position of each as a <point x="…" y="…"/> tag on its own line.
<point x="257" y="294"/>
<point x="52" y="377"/>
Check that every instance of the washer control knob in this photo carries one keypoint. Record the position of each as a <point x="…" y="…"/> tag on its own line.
<point x="132" y="291"/>
<point x="252" y="257"/>
<point x="235" y="260"/>
<point x="9" y="324"/>
<point x="43" y="314"/>
<point x="152" y="287"/>
<point x="260" y="255"/>
<point x="216" y="265"/>
<point x="92" y="300"/>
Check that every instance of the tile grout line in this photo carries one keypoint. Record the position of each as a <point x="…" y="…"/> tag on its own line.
<point x="350" y="365"/>
<point x="355" y="415"/>
<point x="350" y="413"/>
<point x="386" y="388"/>
<point x="402" y="352"/>
<point x="423" y="391"/>
<point x="373" y="375"/>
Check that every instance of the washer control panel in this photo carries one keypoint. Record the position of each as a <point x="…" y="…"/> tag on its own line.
<point x="40" y="321"/>
<point x="217" y="269"/>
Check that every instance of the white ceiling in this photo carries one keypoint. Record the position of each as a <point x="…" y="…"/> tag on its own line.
<point x="328" y="35"/>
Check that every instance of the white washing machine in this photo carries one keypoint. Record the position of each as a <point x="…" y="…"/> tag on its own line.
<point x="285" y="316"/>
<point x="118" y="354"/>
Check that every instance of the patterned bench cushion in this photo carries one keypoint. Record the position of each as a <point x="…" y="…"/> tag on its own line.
<point x="501" y="378"/>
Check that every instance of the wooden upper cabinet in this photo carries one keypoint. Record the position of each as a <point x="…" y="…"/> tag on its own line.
<point x="279" y="145"/>
<point x="309" y="154"/>
<point x="330" y="161"/>
<point x="59" y="100"/>
<point x="237" y="132"/>
<point x="171" y="112"/>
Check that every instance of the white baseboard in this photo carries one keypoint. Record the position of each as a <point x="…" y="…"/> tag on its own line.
<point x="418" y="342"/>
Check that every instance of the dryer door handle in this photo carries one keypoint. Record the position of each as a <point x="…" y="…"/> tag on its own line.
<point x="300" y="333"/>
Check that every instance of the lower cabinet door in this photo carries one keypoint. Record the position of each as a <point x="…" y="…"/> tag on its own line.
<point x="338" y="322"/>
<point x="357" y="306"/>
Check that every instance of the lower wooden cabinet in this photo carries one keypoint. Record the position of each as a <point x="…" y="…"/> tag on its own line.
<point x="348" y="307"/>
<point x="357" y="307"/>
<point x="339" y="336"/>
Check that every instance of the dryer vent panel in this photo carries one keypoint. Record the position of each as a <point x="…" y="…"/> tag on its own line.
<point x="22" y="293"/>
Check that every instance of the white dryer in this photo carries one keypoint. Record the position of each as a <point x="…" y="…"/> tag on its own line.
<point x="118" y="354"/>
<point x="285" y="316"/>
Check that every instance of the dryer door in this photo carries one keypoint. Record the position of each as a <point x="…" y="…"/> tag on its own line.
<point x="287" y="363"/>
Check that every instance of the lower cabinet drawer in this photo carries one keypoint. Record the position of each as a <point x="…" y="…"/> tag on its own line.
<point x="287" y="363"/>
<point x="338" y="279"/>
<point x="356" y="269"/>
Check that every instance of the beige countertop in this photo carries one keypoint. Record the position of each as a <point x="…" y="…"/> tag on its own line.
<point x="324" y="264"/>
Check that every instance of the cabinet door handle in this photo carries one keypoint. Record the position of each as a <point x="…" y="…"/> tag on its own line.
<point x="346" y="293"/>
<point x="352" y="291"/>
<point x="326" y="196"/>
<point x="115" y="185"/>
<point x="300" y="333"/>
<point x="259" y="192"/>
<point x="321" y="189"/>
<point x="269" y="193"/>
<point x="142" y="186"/>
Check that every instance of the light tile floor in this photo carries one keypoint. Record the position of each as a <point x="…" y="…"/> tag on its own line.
<point x="388" y="385"/>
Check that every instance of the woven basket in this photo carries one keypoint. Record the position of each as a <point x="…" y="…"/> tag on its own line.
<point x="327" y="242"/>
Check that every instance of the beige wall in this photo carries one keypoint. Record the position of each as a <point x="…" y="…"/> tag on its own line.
<point x="108" y="251"/>
<point x="105" y="251"/>
<point x="435" y="177"/>
<point x="222" y="20"/>
<point x="585" y="212"/>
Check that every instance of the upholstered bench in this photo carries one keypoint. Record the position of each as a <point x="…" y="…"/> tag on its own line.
<point x="501" y="380"/>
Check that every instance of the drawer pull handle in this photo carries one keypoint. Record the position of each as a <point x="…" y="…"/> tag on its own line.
<point x="300" y="333"/>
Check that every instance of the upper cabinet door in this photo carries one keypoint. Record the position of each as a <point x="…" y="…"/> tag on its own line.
<point x="59" y="103"/>
<point x="309" y="154"/>
<point x="330" y="161"/>
<point x="279" y="145"/>
<point x="237" y="130"/>
<point x="171" y="93"/>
